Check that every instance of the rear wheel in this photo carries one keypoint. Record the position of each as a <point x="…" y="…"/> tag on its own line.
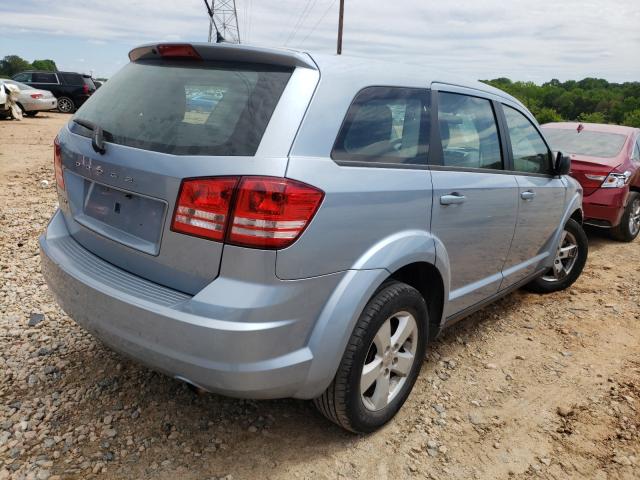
<point x="629" y="227"/>
<point x="66" y="105"/>
<point x="381" y="362"/>
<point x="571" y="257"/>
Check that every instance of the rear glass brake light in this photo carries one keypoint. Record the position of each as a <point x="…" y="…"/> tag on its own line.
<point x="57" y="163"/>
<point x="266" y="212"/>
<point x="179" y="51"/>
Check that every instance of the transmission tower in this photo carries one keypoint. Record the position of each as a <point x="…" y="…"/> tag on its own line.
<point x="223" y="19"/>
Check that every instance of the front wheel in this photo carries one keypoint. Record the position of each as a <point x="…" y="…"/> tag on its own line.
<point x="629" y="226"/>
<point x="571" y="257"/>
<point x="381" y="362"/>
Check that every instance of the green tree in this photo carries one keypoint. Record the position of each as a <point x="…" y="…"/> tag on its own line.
<point x="46" y="64"/>
<point x="593" y="117"/>
<point x="632" y="118"/>
<point x="12" y="64"/>
<point x="546" y="115"/>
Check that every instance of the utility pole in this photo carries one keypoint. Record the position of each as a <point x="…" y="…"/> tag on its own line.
<point x="340" y="27"/>
<point x="223" y="18"/>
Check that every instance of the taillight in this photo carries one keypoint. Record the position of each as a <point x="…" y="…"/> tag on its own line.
<point x="85" y="88"/>
<point x="203" y="207"/>
<point x="272" y="212"/>
<point x="36" y="95"/>
<point x="266" y="212"/>
<point x="57" y="163"/>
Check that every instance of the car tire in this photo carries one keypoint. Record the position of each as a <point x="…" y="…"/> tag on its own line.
<point x="395" y="319"/>
<point x="566" y="268"/>
<point x="66" y="105"/>
<point x="629" y="227"/>
<point x="31" y="114"/>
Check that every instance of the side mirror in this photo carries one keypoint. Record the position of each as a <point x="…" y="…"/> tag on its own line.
<point x="562" y="164"/>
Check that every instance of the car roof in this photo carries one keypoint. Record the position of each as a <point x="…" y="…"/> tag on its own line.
<point x="50" y="71"/>
<point x="593" y="127"/>
<point x="367" y="70"/>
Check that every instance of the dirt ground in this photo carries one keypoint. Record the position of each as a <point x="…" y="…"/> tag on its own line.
<point x="532" y="386"/>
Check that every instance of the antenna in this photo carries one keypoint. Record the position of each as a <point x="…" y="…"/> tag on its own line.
<point x="223" y="18"/>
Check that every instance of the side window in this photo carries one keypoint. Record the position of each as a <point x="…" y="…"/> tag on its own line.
<point x="23" y="77"/>
<point x="72" y="79"/>
<point x="468" y="132"/>
<point x="386" y="125"/>
<point x="530" y="153"/>
<point x="44" y="77"/>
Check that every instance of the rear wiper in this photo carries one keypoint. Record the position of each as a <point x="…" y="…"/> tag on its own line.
<point x="97" y="139"/>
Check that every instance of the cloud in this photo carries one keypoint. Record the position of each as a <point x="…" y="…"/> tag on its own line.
<point x="521" y="39"/>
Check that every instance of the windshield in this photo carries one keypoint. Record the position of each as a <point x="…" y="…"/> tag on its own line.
<point x="187" y="108"/>
<point x="587" y="142"/>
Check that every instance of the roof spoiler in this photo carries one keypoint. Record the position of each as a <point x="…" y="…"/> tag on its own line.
<point x="225" y="52"/>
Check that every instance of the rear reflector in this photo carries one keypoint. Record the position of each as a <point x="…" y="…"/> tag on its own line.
<point x="203" y="207"/>
<point x="57" y="163"/>
<point x="267" y="212"/>
<point x="178" y="51"/>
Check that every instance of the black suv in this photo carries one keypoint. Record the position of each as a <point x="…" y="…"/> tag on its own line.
<point x="70" y="88"/>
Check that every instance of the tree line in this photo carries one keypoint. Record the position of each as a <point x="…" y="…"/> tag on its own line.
<point x="593" y="100"/>
<point x="12" y="64"/>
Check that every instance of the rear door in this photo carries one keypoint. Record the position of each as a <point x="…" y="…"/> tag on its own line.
<point x="541" y="195"/>
<point x="474" y="198"/>
<point x="119" y="205"/>
<point x="44" y="80"/>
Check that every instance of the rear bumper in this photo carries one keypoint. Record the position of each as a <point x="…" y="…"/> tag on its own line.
<point x="236" y="338"/>
<point x="41" y="104"/>
<point x="605" y="206"/>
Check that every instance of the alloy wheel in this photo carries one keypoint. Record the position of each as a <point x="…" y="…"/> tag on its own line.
<point x="389" y="361"/>
<point x="566" y="257"/>
<point x="634" y="218"/>
<point x="65" y="105"/>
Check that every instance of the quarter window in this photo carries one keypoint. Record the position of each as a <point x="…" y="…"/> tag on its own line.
<point x="636" y="151"/>
<point x="468" y="132"/>
<point x="385" y="125"/>
<point x="530" y="153"/>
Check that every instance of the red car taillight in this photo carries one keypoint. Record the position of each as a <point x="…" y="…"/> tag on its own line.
<point x="36" y="95"/>
<point x="57" y="163"/>
<point x="85" y="88"/>
<point x="203" y="207"/>
<point x="272" y="212"/>
<point x="266" y="212"/>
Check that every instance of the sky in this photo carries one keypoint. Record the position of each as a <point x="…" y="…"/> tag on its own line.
<point x="533" y="40"/>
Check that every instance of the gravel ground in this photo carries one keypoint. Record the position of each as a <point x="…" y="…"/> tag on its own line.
<point x="532" y="386"/>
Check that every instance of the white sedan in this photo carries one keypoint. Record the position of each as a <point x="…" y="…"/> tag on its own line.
<point x="32" y="100"/>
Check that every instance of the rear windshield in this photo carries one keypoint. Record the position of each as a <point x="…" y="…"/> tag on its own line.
<point x="589" y="143"/>
<point x="187" y="108"/>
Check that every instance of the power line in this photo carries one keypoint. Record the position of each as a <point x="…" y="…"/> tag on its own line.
<point x="223" y="16"/>
<point x="303" y="16"/>
<point x="326" y="12"/>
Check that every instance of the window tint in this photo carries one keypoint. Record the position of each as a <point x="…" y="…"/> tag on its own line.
<point x="530" y="153"/>
<point x="22" y="77"/>
<point x="44" y="77"/>
<point x="149" y="105"/>
<point x="468" y="132"/>
<point x="385" y="125"/>
<point x="73" y="79"/>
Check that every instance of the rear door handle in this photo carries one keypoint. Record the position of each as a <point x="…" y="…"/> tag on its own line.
<point x="528" y="195"/>
<point x="452" y="199"/>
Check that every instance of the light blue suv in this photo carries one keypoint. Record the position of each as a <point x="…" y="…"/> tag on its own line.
<point x="310" y="232"/>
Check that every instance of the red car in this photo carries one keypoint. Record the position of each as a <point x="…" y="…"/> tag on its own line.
<point x="605" y="159"/>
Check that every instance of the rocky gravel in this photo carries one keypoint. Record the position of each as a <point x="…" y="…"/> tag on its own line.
<point x="530" y="387"/>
